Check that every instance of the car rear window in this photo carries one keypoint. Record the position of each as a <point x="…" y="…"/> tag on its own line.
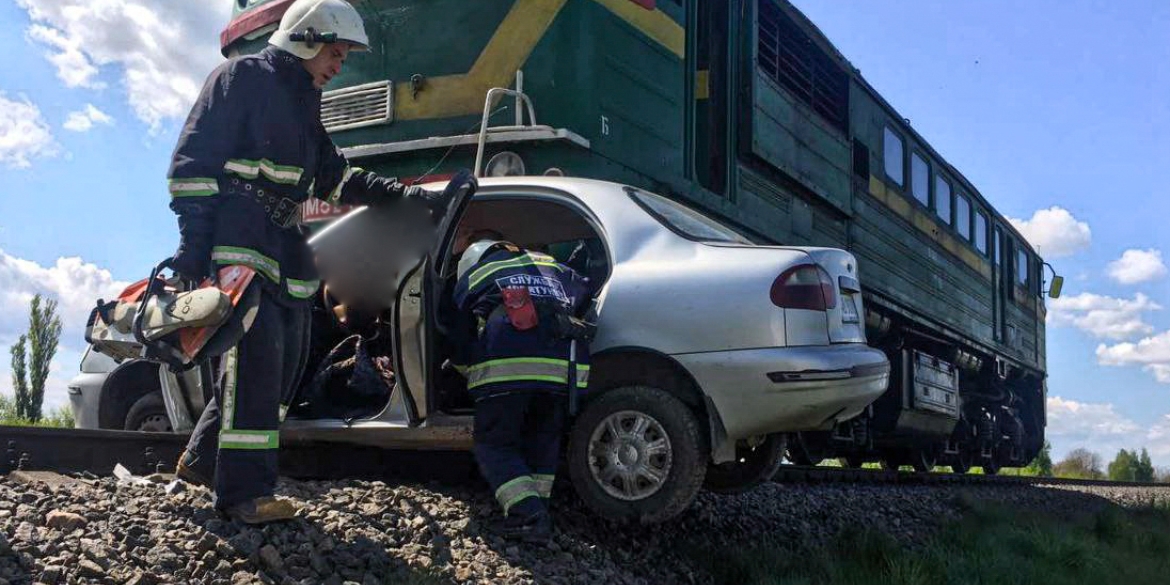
<point x="685" y="221"/>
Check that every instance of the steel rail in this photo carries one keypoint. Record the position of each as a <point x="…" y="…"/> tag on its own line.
<point x="819" y="474"/>
<point x="98" y="451"/>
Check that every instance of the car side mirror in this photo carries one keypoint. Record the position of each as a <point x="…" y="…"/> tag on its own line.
<point x="1057" y="284"/>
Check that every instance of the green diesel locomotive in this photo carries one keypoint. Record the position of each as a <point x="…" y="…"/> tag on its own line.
<point x="744" y="109"/>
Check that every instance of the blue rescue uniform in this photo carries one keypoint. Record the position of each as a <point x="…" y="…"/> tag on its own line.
<point x="252" y="150"/>
<point x="520" y="379"/>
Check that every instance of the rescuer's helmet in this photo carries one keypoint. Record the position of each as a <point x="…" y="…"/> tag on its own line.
<point x="472" y="255"/>
<point x="310" y="24"/>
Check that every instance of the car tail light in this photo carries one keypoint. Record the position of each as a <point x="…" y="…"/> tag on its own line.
<point x="806" y="286"/>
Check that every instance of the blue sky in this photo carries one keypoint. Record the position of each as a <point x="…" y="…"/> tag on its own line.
<point x="1055" y="109"/>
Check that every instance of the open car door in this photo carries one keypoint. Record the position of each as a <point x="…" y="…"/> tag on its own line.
<point x="375" y="260"/>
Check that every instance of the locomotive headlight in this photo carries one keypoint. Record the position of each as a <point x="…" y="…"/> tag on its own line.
<point x="505" y="164"/>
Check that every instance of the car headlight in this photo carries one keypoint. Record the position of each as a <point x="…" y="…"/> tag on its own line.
<point x="505" y="164"/>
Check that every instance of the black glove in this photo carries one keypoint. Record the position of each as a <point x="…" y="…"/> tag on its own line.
<point x="437" y="201"/>
<point x="192" y="261"/>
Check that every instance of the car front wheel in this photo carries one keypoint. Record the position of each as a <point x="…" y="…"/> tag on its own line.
<point x="637" y="453"/>
<point x="149" y="415"/>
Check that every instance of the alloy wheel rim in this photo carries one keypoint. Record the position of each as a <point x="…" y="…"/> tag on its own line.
<point x="630" y="455"/>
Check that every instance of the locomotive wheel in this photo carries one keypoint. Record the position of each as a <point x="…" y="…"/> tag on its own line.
<point x="853" y="461"/>
<point x="923" y="459"/>
<point x="892" y="462"/>
<point x="961" y="463"/>
<point x="991" y="467"/>
<point x="808" y="448"/>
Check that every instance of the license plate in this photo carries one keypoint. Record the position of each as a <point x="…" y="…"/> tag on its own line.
<point x="849" y="310"/>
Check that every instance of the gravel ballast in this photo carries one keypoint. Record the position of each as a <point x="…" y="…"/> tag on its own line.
<point x="359" y="532"/>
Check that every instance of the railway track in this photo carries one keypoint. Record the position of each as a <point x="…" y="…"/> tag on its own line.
<point x="97" y="452"/>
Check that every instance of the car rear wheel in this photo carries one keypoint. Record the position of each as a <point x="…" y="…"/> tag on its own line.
<point x="755" y="462"/>
<point x="149" y="414"/>
<point x="637" y="453"/>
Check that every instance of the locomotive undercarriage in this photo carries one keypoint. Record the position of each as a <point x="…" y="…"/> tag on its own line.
<point x="945" y="406"/>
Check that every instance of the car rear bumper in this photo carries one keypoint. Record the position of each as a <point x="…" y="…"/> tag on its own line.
<point x="785" y="389"/>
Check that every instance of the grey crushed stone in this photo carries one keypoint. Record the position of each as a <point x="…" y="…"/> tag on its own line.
<point x="371" y="532"/>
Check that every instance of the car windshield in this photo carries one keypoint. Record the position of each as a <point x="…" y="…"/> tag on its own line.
<point x="685" y="221"/>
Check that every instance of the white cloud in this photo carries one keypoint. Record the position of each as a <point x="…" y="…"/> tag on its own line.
<point x="1054" y="232"/>
<point x="1152" y="353"/>
<point x="1087" y="421"/>
<point x="1102" y="316"/>
<point x="1136" y="266"/>
<point x="83" y="120"/>
<point x="24" y="135"/>
<point x="76" y="285"/>
<point x="162" y="50"/>
<point x="1099" y="427"/>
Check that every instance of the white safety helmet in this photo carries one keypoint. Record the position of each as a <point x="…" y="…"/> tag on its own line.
<point x="472" y="255"/>
<point x="309" y="24"/>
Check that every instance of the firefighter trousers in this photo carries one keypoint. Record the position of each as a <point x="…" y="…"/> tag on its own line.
<point x="518" y="445"/>
<point x="237" y="438"/>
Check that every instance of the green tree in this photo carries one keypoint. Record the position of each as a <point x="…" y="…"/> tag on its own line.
<point x="1042" y="464"/>
<point x="7" y="409"/>
<point x="1145" y="467"/>
<point x="1080" y="463"/>
<point x="30" y="369"/>
<point x="1124" y="466"/>
<point x="19" y="376"/>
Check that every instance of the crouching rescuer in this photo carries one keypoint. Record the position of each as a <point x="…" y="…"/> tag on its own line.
<point x="252" y="150"/>
<point x="526" y="359"/>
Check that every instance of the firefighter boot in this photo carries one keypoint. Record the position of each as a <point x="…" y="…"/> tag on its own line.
<point x="532" y="528"/>
<point x="263" y="510"/>
<point x="189" y="475"/>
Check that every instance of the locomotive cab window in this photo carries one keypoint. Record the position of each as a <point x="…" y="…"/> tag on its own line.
<point x="920" y="178"/>
<point x="893" y="155"/>
<point x="942" y="199"/>
<point x="963" y="216"/>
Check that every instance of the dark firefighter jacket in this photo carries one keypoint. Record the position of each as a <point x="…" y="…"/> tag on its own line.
<point x="254" y="140"/>
<point x="500" y="359"/>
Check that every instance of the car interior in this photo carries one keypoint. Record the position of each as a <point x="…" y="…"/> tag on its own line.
<point x="349" y="371"/>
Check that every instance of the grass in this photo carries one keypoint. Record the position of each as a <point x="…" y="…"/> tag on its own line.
<point x="992" y="545"/>
<point x="61" y="418"/>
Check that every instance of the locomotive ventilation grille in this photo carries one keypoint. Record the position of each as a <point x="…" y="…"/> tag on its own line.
<point x="789" y="57"/>
<point x="357" y="106"/>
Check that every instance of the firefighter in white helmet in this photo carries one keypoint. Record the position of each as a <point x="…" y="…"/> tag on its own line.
<point x="252" y="150"/>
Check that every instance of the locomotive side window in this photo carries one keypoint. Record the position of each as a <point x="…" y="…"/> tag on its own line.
<point x="963" y="216"/>
<point x="942" y="199"/>
<point x="998" y="243"/>
<point x="981" y="232"/>
<point x="893" y="154"/>
<point x="920" y="178"/>
<point x="1022" y="267"/>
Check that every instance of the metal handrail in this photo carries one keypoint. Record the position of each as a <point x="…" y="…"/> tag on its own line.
<point x="492" y="95"/>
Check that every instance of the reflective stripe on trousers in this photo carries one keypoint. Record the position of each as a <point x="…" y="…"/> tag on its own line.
<point x="525" y="369"/>
<point x="512" y="492"/>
